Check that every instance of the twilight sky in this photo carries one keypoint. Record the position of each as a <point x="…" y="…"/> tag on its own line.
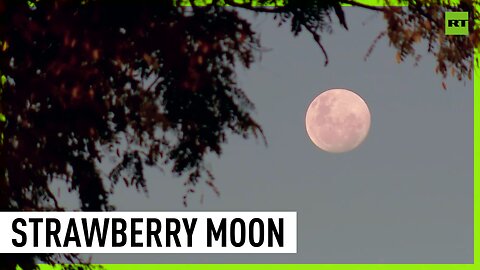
<point x="404" y="196"/>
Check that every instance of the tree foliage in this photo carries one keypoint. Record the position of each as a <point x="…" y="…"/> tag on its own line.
<point x="424" y="20"/>
<point x="153" y="83"/>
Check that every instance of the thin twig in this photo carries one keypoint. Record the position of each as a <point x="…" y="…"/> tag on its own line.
<point x="277" y="9"/>
<point x="55" y="202"/>
<point x="316" y="37"/>
<point x="375" y="41"/>
<point x="153" y="83"/>
<point x="356" y="4"/>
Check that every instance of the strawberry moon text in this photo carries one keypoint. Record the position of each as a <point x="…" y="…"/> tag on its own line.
<point x="148" y="232"/>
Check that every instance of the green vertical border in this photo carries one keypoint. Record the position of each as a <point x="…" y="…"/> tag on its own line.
<point x="476" y="215"/>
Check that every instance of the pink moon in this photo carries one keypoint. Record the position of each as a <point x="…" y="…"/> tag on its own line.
<point x="338" y="120"/>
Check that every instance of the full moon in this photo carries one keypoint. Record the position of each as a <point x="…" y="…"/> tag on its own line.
<point x="337" y="120"/>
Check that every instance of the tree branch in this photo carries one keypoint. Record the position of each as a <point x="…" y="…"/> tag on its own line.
<point x="356" y="4"/>
<point x="153" y="83"/>
<point x="426" y="15"/>
<point x="55" y="201"/>
<point x="316" y="37"/>
<point x="248" y="6"/>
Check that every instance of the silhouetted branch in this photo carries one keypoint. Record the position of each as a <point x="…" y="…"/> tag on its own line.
<point x="277" y="9"/>
<point x="356" y="4"/>
<point x="316" y="37"/>
<point x="55" y="201"/>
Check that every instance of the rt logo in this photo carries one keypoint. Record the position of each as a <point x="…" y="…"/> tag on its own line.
<point x="456" y="23"/>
